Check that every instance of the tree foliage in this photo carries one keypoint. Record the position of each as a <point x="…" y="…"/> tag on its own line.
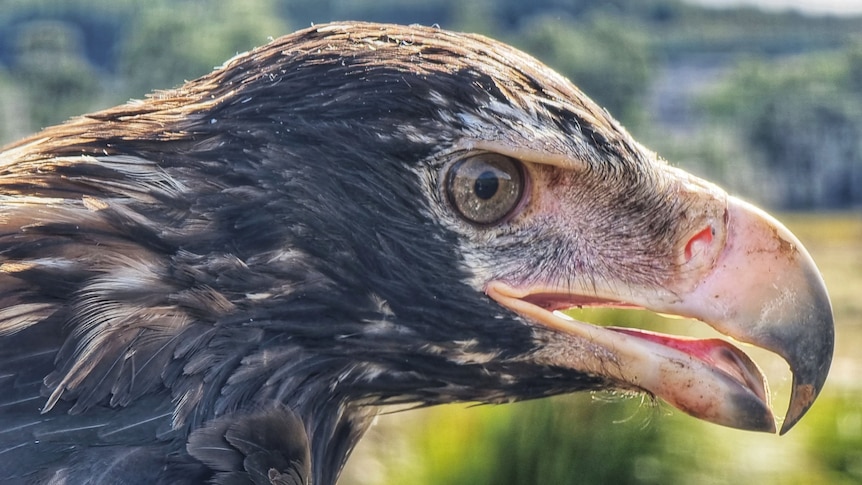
<point x="171" y="42"/>
<point x="607" y="57"/>
<point x="50" y="65"/>
<point x="803" y="119"/>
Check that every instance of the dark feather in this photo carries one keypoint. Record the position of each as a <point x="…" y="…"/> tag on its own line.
<point x="222" y="282"/>
<point x="259" y="448"/>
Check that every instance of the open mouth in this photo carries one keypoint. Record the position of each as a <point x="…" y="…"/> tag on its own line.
<point x="714" y="352"/>
<point x="710" y="379"/>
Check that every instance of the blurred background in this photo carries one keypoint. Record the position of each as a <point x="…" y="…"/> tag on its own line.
<point x="763" y="97"/>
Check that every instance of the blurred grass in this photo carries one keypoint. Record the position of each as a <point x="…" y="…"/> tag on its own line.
<point x="601" y="438"/>
<point x="835" y="241"/>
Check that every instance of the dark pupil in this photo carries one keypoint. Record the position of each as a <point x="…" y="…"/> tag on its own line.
<point x="486" y="185"/>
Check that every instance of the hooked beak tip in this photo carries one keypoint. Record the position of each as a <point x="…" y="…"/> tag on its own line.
<point x="794" y="318"/>
<point x="766" y="290"/>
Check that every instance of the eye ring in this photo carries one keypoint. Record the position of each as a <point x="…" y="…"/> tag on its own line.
<point x="486" y="188"/>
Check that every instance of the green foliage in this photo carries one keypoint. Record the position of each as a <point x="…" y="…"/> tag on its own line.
<point x="694" y="31"/>
<point x="804" y="119"/>
<point x="174" y="41"/>
<point x="62" y="63"/>
<point x="837" y="439"/>
<point x="51" y="69"/>
<point x="476" y="16"/>
<point x="543" y="441"/>
<point x="854" y="68"/>
<point x="608" y="58"/>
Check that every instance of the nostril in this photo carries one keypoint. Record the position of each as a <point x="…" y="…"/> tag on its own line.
<point x="699" y="242"/>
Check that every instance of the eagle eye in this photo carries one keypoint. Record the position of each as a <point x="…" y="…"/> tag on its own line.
<point x="485" y="188"/>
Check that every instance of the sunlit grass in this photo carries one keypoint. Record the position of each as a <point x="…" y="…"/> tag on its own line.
<point x="602" y="438"/>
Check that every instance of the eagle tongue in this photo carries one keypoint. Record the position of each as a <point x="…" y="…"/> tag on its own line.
<point x="714" y="352"/>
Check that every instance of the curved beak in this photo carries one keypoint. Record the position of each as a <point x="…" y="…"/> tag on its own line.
<point x="766" y="290"/>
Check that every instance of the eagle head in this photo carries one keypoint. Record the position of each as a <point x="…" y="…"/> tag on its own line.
<point x="224" y="282"/>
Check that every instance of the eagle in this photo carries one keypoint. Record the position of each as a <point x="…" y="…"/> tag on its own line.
<point x="225" y="282"/>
